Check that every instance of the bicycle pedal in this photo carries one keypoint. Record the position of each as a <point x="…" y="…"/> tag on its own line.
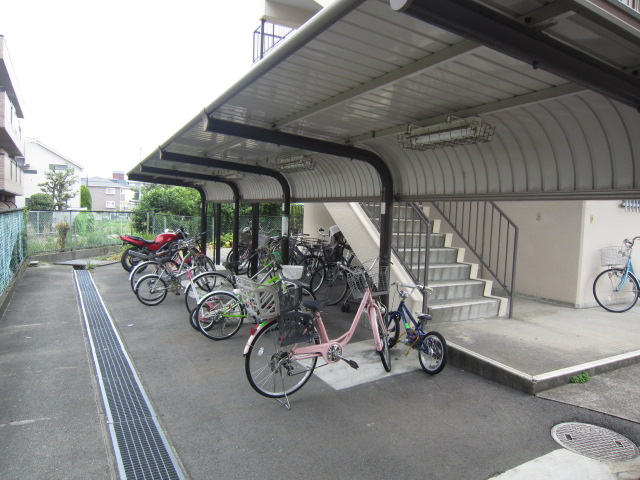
<point x="351" y="363"/>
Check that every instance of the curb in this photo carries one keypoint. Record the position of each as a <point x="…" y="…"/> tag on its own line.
<point x="533" y="384"/>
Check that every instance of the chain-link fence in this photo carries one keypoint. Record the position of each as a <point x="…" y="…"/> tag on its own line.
<point x="68" y="230"/>
<point x="11" y="247"/>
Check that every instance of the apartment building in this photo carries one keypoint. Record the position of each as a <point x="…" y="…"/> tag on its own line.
<point x="11" y="142"/>
<point x="109" y="195"/>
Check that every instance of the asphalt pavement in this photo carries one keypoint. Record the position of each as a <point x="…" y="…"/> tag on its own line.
<point x="347" y="423"/>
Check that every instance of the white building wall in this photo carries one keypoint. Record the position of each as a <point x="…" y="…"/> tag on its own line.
<point x="39" y="157"/>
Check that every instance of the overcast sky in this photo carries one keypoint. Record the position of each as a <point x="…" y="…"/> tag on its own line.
<point x="105" y="83"/>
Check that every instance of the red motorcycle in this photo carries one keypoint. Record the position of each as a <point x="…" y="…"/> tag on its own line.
<point x="141" y="248"/>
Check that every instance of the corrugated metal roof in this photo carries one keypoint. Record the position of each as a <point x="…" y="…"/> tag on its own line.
<point x="360" y="73"/>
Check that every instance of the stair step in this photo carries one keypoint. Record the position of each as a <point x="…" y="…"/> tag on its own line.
<point x="449" y="271"/>
<point x="456" y="290"/>
<point x="479" y="307"/>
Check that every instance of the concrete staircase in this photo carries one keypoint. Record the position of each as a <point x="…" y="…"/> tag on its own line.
<point x="458" y="292"/>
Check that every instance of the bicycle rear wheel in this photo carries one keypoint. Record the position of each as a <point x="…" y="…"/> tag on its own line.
<point x="330" y="284"/>
<point x="219" y="315"/>
<point x="614" y="292"/>
<point x="433" y="353"/>
<point x="151" y="290"/>
<point x="205" y="283"/>
<point x="271" y="369"/>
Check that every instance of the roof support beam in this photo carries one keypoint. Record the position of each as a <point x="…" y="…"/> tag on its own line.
<point x="255" y="169"/>
<point x="481" y="24"/>
<point x="267" y="135"/>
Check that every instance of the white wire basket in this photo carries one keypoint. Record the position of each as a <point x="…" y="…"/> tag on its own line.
<point x="611" y="256"/>
<point x="292" y="272"/>
<point x="376" y="279"/>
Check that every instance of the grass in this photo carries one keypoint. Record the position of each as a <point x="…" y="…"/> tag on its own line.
<point x="580" y="378"/>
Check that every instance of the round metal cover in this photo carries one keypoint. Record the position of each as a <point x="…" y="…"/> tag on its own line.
<point x="594" y="442"/>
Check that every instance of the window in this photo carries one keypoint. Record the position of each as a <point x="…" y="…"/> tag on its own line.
<point x="110" y="191"/>
<point x="110" y="204"/>
<point x="57" y="168"/>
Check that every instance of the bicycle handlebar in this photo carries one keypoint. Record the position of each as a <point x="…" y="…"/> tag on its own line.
<point x="629" y="242"/>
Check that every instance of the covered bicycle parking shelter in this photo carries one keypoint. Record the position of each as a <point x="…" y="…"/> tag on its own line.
<point x="424" y="100"/>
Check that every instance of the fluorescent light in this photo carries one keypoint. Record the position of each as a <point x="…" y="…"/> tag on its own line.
<point x="461" y="131"/>
<point x="292" y="163"/>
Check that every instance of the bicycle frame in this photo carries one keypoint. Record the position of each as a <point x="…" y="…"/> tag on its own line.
<point x="406" y="315"/>
<point x="331" y="349"/>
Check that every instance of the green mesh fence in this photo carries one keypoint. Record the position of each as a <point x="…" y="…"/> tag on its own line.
<point x="68" y="230"/>
<point x="12" y="252"/>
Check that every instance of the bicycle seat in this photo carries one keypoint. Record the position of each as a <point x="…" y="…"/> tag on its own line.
<point x="315" y="305"/>
<point x="423" y="317"/>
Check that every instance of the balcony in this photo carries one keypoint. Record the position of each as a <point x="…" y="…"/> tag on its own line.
<point x="266" y="37"/>
<point x="10" y="131"/>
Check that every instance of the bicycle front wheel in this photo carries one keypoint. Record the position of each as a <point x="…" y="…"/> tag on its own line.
<point x="151" y="290"/>
<point x="614" y="291"/>
<point x="219" y="315"/>
<point x="383" y="335"/>
<point x="272" y="370"/>
<point x="433" y="353"/>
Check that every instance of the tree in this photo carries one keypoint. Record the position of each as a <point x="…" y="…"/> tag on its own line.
<point x="59" y="184"/>
<point x="170" y="200"/>
<point x="85" y="197"/>
<point x="40" y="202"/>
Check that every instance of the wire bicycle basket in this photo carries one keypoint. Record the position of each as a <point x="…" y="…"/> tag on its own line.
<point x="376" y="279"/>
<point x="612" y="256"/>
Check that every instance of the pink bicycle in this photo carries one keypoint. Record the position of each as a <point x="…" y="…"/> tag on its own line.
<point x="281" y="354"/>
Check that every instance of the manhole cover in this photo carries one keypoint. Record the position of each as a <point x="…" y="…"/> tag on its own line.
<point x="595" y="442"/>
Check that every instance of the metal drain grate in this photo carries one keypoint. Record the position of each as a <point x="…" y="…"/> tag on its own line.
<point x="594" y="442"/>
<point x="141" y="449"/>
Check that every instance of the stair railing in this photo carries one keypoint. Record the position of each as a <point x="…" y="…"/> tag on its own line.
<point x="411" y="239"/>
<point x="489" y="234"/>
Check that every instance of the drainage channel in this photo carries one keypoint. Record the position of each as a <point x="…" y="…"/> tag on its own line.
<point x="141" y="448"/>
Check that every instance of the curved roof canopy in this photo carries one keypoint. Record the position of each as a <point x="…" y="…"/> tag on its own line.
<point x="432" y="99"/>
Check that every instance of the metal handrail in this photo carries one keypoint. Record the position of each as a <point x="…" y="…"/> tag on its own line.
<point x="491" y="236"/>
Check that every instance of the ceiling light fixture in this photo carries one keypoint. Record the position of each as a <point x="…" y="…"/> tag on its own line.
<point x="457" y="131"/>
<point x="292" y="163"/>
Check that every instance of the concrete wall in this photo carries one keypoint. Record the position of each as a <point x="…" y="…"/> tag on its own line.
<point x="559" y="243"/>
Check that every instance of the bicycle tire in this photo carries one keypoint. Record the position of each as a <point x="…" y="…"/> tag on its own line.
<point x="612" y="298"/>
<point x="219" y="315"/>
<point x="243" y="266"/>
<point x="433" y="353"/>
<point x="141" y="269"/>
<point x="383" y="335"/>
<point x="393" y="328"/>
<point x="310" y="265"/>
<point x="205" y="283"/>
<point x="270" y="369"/>
<point x="151" y="290"/>
<point x="330" y="284"/>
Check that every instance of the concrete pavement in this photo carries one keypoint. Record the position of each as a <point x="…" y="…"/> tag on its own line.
<point x="453" y="425"/>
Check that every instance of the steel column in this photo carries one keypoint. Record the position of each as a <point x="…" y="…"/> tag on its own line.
<point x="330" y="148"/>
<point x="224" y="165"/>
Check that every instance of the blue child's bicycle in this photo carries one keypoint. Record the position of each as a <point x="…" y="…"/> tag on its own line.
<point x="617" y="289"/>
<point x="431" y="346"/>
